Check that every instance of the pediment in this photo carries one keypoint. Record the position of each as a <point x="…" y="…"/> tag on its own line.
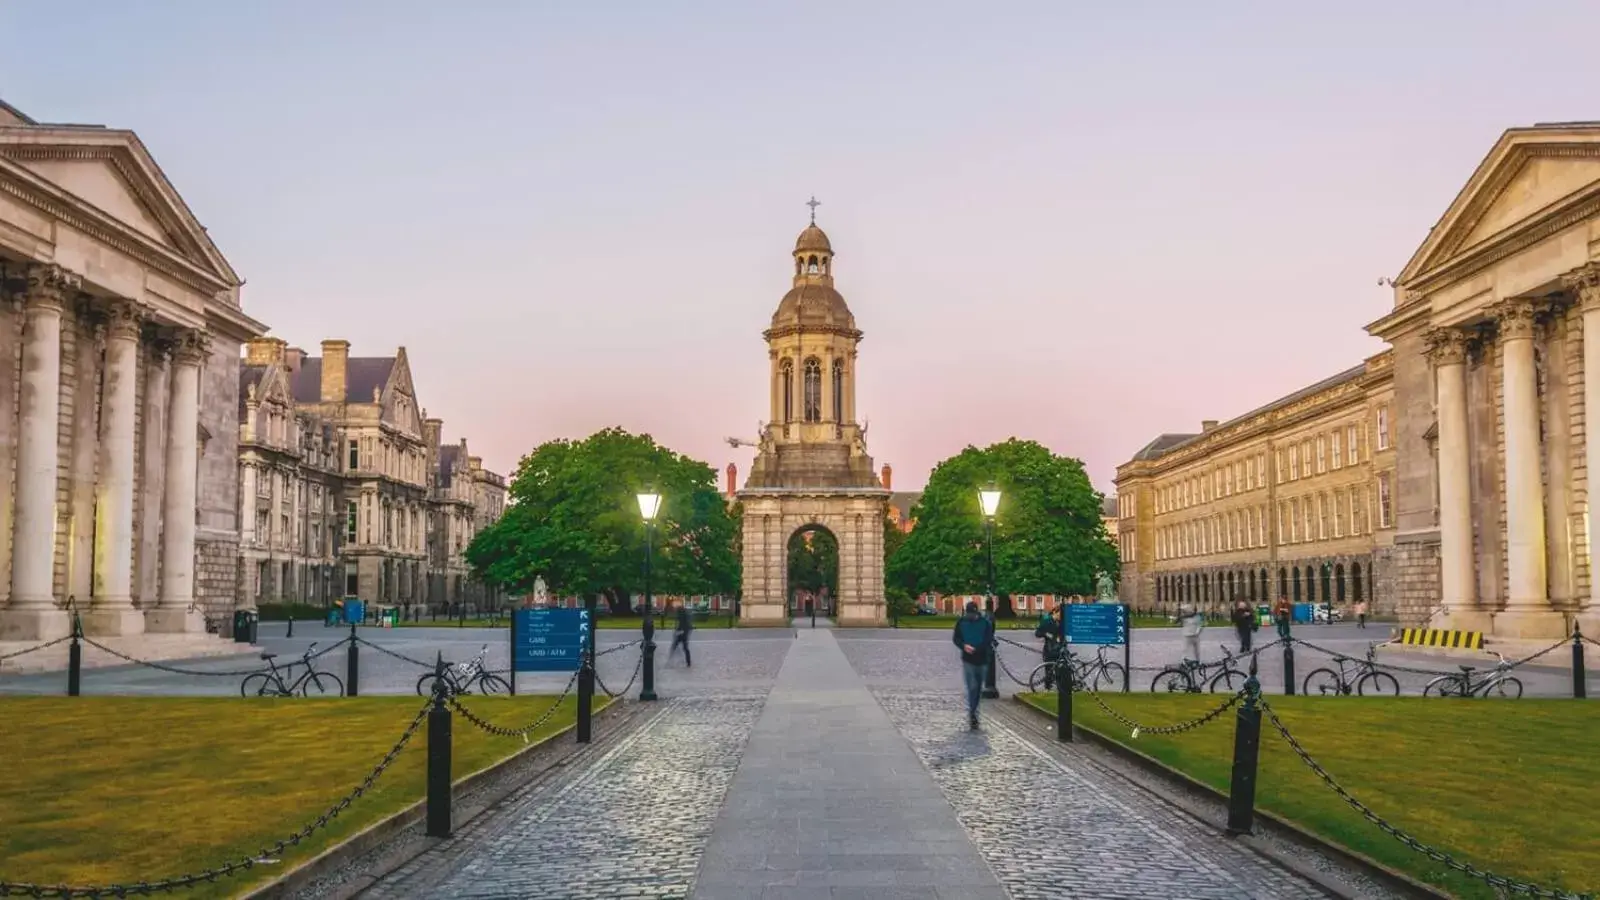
<point x="111" y="172"/>
<point x="400" y="398"/>
<point x="1529" y="176"/>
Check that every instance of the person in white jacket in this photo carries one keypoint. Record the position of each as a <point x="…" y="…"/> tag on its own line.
<point x="1191" y="622"/>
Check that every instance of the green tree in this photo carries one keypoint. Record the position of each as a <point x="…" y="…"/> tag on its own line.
<point x="814" y="562"/>
<point x="1048" y="537"/>
<point x="573" y="517"/>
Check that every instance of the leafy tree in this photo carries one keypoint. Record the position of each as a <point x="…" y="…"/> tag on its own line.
<point x="814" y="562"/>
<point x="573" y="517"/>
<point x="1048" y="537"/>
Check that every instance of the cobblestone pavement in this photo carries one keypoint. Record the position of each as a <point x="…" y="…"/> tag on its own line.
<point x="1053" y="829"/>
<point x="632" y="825"/>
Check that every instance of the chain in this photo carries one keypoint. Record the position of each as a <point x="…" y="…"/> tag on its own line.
<point x="620" y="647"/>
<point x="1499" y="882"/>
<point x="1412" y="670"/>
<point x="23" y="889"/>
<point x="522" y="732"/>
<point x="1564" y="642"/>
<point x="232" y="673"/>
<point x="400" y="656"/>
<point x="1179" y="728"/>
<point x="637" y="667"/>
<point x="35" y="647"/>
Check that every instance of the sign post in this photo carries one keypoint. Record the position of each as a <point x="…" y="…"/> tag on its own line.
<point x="1104" y="624"/>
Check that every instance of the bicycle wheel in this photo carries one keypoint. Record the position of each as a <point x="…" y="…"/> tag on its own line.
<point x="1173" y="680"/>
<point x="425" y="684"/>
<point x="1508" y="688"/>
<point x="1110" y="677"/>
<point x="1232" y="680"/>
<point x="321" y="684"/>
<point x="1443" y="686"/>
<point x="256" y="685"/>
<point x="1378" y="683"/>
<point x="1322" y="683"/>
<point x="1038" y="678"/>
<point x="493" y="684"/>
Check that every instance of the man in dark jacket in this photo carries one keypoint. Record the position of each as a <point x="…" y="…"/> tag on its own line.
<point x="1050" y="629"/>
<point x="975" y="636"/>
<point x="680" y="636"/>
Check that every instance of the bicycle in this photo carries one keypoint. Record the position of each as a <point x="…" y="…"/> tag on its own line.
<point x="264" y="684"/>
<point x="1189" y="674"/>
<point x="1461" y="684"/>
<point x="1085" y="675"/>
<point x="461" y="677"/>
<point x="1326" y="681"/>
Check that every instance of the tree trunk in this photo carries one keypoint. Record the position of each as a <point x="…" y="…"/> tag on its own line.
<point x="1003" y="608"/>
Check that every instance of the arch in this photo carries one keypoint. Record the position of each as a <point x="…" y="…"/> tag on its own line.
<point x="811" y="569"/>
<point x="1355" y="581"/>
<point x="1252" y="597"/>
<point x="838" y="390"/>
<point x="1296" y="595"/>
<point x="786" y="376"/>
<point x="1266" y="585"/>
<point x="1311" y="584"/>
<point x="1325" y="572"/>
<point x="1338" y="581"/>
<point x="1229" y="593"/>
<point x="811" y="265"/>
<point x="813" y="389"/>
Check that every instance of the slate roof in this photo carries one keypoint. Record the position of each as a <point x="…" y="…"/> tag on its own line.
<point x="361" y="375"/>
<point x="1108" y="506"/>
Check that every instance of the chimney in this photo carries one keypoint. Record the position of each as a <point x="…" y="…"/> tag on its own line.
<point x="431" y="430"/>
<point x="1207" y="425"/>
<point x="475" y="463"/>
<point x="733" y="478"/>
<point x="264" y="351"/>
<point x="888" y="477"/>
<point x="292" y="358"/>
<point x="335" y="354"/>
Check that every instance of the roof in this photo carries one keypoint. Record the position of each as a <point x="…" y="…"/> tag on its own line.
<point x="1108" y="506"/>
<point x="813" y="304"/>
<point x="14" y="113"/>
<point x="813" y="239"/>
<point x="361" y="375"/>
<point x="905" y="501"/>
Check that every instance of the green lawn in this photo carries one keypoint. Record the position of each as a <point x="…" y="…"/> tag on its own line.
<point x="1511" y="786"/>
<point x="118" y="789"/>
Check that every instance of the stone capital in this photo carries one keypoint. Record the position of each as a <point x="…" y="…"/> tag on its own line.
<point x="50" y="287"/>
<point x="1584" y="283"/>
<point x="1516" y="318"/>
<point x="190" y="347"/>
<point x="1447" y="346"/>
<point x="124" y="319"/>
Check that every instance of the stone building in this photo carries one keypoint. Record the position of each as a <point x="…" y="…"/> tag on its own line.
<point x="119" y="332"/>
<point x="1294" y="499"/>
<point x="812" y="470"/>
<point x="467" y="498"/>
<point x="1496" y="380"/>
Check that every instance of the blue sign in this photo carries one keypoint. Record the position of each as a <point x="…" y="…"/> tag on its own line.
<point x="355" y="612"/>
<point x="550" y="640"/>
<point x="1096" y="623"/>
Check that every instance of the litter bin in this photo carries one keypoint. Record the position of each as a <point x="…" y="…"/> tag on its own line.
<point x="244" y="626"/>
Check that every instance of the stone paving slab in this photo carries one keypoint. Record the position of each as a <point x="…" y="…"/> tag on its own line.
<point x="830" y="802"/>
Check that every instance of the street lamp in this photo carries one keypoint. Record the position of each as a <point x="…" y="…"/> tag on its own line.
<point x="649" y="507"/>
<point x="989" y="499"/>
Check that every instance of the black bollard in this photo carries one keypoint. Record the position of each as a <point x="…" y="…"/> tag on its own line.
<point x="1288" y="668"/>
<point x="439" y="758"/>
<point x="647" y="686"/>
<point x="1063" y="700"/>
<point x="1246" y="753"/>
<point x="291" y="626"/>
<point x="1580" y="686"/>
<point x="352" y="671"/>
<point x="586" y="699"/>
<point x="75" y="659"/>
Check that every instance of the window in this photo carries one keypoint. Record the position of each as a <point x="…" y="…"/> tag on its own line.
<point x="355" y="456"/>
<point x="1280" y="467"/>
<point x="350" y="521"/>
<point x="1305" y="459"/>
<point x="1337" y="459"/>
<point x="838" y="390"/>
<point x="813" y="390"/>
<point x="1294" y="463"/>
<point x="1322" y="454"/>
<point x="1338" y="515"/>
<point x="1384" y="510"/>
<point x="1294" y="520"/>
<point x="786" y="385"/>
<point x="1350" y="441"/>
<point x="1383" y="428"/>
<point x="1322" y="517"/>
<point x="1307" y="532"/>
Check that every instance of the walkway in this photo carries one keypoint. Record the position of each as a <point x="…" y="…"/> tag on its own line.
<point x="831" y="802"/>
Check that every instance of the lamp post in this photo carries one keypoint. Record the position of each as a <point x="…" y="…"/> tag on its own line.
<point x="989" y="499"/>
<point x="649" y="506"/>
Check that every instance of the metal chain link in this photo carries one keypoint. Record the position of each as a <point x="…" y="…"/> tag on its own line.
<point x="1007" y="669"/>
<point x="1499" y="882"/>
<point x="36" y="647"/>
<point x="1564" y="642"/>
<point x="397" y="655"/>
<point x="523" y="732"/>
<point x="24" y="889"/>
<point x="1139" y="728"/>
<point x="231" y="673"/>
<point x="635" y="643"/>
<point x="638" y="666"/>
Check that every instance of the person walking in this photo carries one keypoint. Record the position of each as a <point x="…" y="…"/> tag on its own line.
<point x="1191" y="622"/>
<point x="1361" y="613"/>
<point x="974" y="634"/>
<point x="680" y="636"/>
<point x="1281" y="614"/>
<point x="1050" y="629"/>
<point x="1244" y="621"/>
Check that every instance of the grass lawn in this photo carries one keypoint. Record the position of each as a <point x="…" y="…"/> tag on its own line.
<point x="117" y="789"/>
<point x="1509" y="786"/>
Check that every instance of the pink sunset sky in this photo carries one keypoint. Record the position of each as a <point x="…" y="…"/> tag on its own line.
<point x="1084" y="224"/>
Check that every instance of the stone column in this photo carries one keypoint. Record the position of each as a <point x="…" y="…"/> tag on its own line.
<point x="32" y="614"/>
<point x="1528" y="612"/>
<point x="152" y="480"/>
<point x="1447" y="347"/>
<point x="247" y="504"/>
<point x="173" y="613"/>
<point x="112" y="609"/>
<point x="1585" y="283"/>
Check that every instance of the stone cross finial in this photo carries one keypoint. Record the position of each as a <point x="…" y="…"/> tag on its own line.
<point x="813" y="203"/>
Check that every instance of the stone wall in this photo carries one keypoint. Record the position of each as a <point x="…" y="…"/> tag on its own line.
<point x="217" y="495"/>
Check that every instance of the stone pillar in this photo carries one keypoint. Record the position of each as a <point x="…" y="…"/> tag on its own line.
<point x="1528" y="612"/>
<point x="1585" y="283"/>
<point x="152" y="480"/>
<point x="32" y="614"/>
<point x="173" y="613"/>
<point x="112" y="609"/>
<point x="1457" y="579"/>
<point x="247" y="504"/>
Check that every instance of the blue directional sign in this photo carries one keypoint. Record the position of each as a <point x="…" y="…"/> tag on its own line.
<point x="550" y="640"/>
<point x="1097" y="623"/>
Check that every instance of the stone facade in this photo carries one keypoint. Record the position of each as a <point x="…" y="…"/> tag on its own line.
<point x="1495" y="382"/>
<point x="119" y="326"/>
<point x="467" y="498"/>
<point x="812" y="469"/>
<point x="1293" y="499"/>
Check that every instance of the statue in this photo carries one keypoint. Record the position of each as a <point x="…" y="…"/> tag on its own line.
<point x="541" y="593"/>
<point x="1105" y="591"/>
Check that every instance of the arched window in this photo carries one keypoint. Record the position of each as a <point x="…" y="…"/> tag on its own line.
<point x="838" y="390"/>
<point x="813" y="385"/>
<point x="811" y="266"/>
<point x="1338" y="581"/>
<point x="1355" y="580"/>
<point x="787" y="386"/>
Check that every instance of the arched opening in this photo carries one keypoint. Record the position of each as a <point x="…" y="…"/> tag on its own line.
<point x="1355" y="581"/>
<point x="1327" y="583"/>
<point x="813" y="389"/>
<point x="811" y="266"/>
<point x="786" y="379"/>
<point x="838" y="390"/>
<point x="813" y="571"/>
<point x="1283" y="582"/>
<point x="1296" y="596"/>
<point x="1230" y="586"/>
<point x="1311" y="584"/>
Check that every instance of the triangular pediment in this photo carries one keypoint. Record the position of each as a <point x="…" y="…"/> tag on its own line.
<point x="1530" y="175"/>
<point x="111" y="172"/>
<point x="400" y="407"/>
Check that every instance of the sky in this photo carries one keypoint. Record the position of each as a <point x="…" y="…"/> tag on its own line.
<point x="1079" y="223"/>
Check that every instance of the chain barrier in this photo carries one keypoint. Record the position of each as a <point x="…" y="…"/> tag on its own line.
<point x="35" y="648"/>
<point x="500" y="731"/>
<point x="397" y="655"/>
<point x="1498" y="882"/>
<point x="635" y="643"/>
<point x="638" y="667"/>
<point x="230" y="673"/>
<point x="1007" y="669"/>
<point x="145" y="888"/>
<point x="1179" y="728"/>
<point x="1564" y="642"/>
